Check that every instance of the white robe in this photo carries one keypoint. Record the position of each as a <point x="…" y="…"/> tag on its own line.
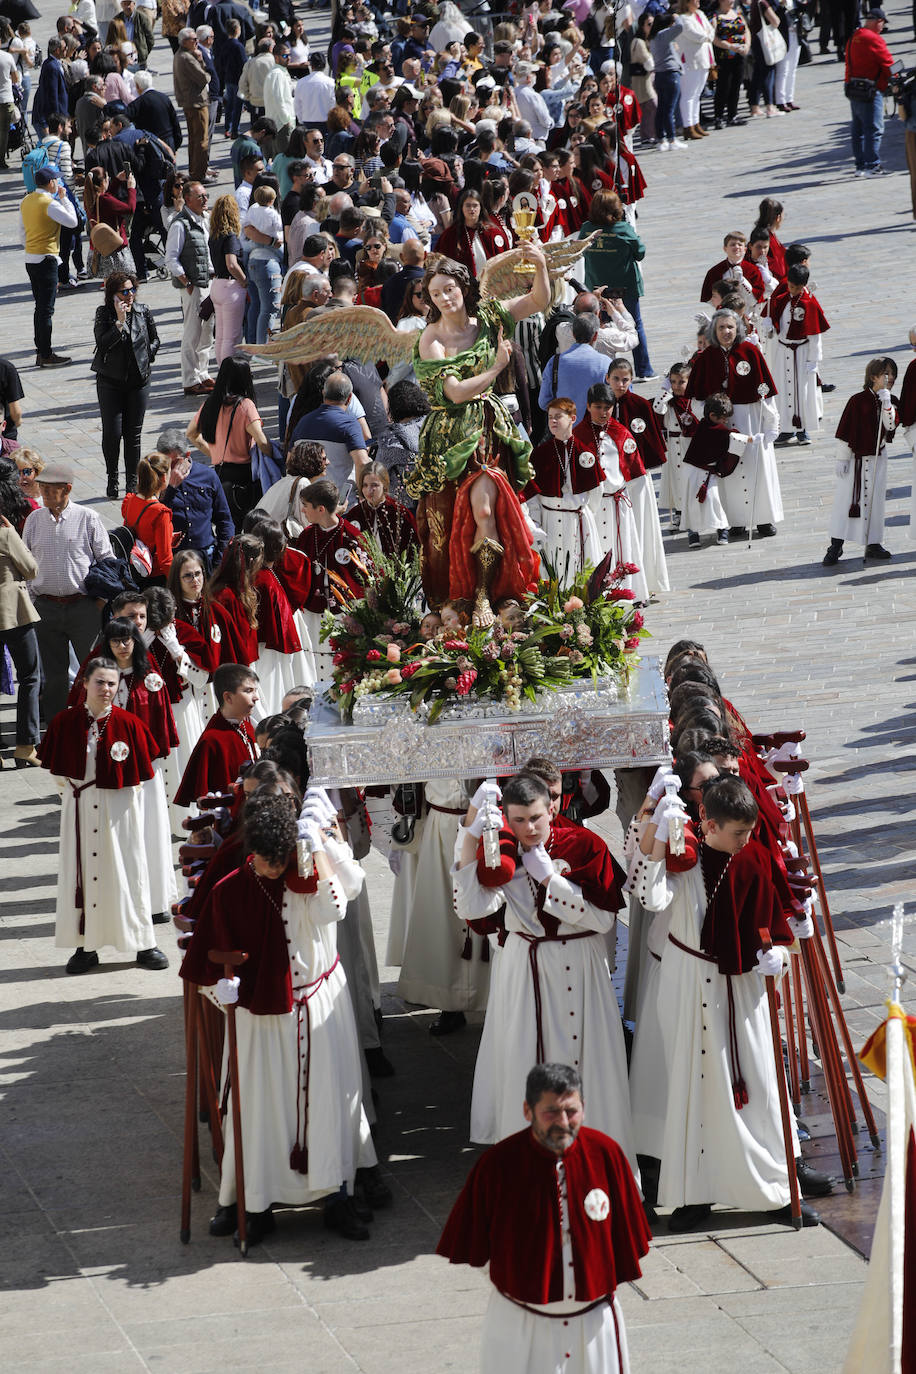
<point x="570" y="527"/>
<point x="801" y="400"/>
<point x="270" y="1070"/>
<point x="115" y="878"/>
<point x="157" y="837"/>
<point x="617" y="523"/>
<point x="277" y="674"/>
<point x="671" y="491"/>
<point x="867" y="528"/>
<point x="706" y="517"/>
<point x="433" y="972"/>
<point x="911" y="440"/>
<point x="710" y="1152"/>
<point x="580" y="1019"/>
<point x="751" y="495"/>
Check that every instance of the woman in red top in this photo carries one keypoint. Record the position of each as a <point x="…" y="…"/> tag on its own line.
<point x="469" y="239"/>
<point x="149" y="519"/>
<point x="104" y="208"/>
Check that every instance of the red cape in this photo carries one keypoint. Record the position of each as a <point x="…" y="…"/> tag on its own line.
<point x="63" y="749"/>
<point x="241" y="913"/>
<point x="907" y="406"/>
<point x="741" y="373"/>
<point x="148" y="699"/>
<point x="680" y="413"/>
<point x="237" y="629"/>
<point x="331" y="549"/>
<point x="641" y="420"/>
<point x="454" y="243"/>
<point x="276" y="627"/>
<point x="859" y="422"/>
<point x="588" y="863"/>
<point x="751" y="272"/>
<point x="631" y="464"/>
<point x="391" y="524"/>
<point x="776" y="258"/>
<point x="709" y="451"/>
<point x="508" y="1214"/>
<point x="548" y="474"/>
<point x="807" y="317"/>
<point x="746" y="901"/>
<point x="294" y="573"/>
<point x="217" y="757"/>
<point x="569" y="211"/>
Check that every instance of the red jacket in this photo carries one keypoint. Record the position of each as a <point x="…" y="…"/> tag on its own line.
<point x="868" y="56"/>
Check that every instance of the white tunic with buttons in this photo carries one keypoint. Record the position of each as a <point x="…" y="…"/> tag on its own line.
<point x="272" y="1070"/>
<point x="115" y="877"/>
<point x="580" y="1019"/>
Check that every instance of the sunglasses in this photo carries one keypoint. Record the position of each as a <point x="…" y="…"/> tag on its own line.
<point x="128" y="291"/>
<point x="27" y="472"/>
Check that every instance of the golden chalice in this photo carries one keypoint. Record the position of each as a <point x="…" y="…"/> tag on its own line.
<point x="524" y="215"/>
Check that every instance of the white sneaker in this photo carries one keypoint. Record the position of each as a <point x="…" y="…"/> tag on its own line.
<point x="679" y="143"/>
<point x="663" y="145"/>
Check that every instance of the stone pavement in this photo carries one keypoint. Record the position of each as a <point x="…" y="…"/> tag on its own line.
<point x="93" y="1278"/>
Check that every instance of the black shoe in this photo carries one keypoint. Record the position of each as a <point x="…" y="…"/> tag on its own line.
<point x="877" y="551"/>
<point x="52" y="360"/>
<point x="802" y="436"/>
<point x="811" y="1181"/>
<point x="373" y="1188"/>
<point x="808" y="1215"/>
<point x="685" y="1218"/>
<point x="833" y="554"/>
<point x="224" y="1220"/>
<point x="693" y="539"/>
<point x="152" y="958"/>
<point x="766" y="531"/>
<point x="378" y="1064"/>
<point x="447" y="1022"/>
<point x="718" y="124"/>
<point x="111" y="493"/>
<point x="828" y="386"/>
<point x="257" y="1226"/>
<point x="736" y="122"/>
<point x="361" y="1209"/>
<point x="781" y="440"/>
<point x="160" y="918"/>
<point x="340" y="1217"/>
<point x="82" y="961"/>
<point x="722" y="537"/>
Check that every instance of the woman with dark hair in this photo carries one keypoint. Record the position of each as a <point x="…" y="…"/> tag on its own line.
<point x="470" y="239"/>
<point x="224" y="428"/>
<point x="126" y="344"/>
<point x="283" y="659"/>
<point x="396" y="447"/>
<point x="182" y="659"/>
<point x="559" y="138"/>
<point x="770" y="217"/>
<point x="104" y="209"/>
<point x="365" y="153"/>
<point x="404" y="107"/>
<point x="195" y="621"/>
<point x="342" y="131"/>
<point x="142" y="691"/>
<point x="172" y="195"/>
<point x="17" y="614"/>
<point x="232" y="587"/>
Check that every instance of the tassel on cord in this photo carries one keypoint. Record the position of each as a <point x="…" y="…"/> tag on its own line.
<point x="485" y="950"/>
<point x="466" y="951"/>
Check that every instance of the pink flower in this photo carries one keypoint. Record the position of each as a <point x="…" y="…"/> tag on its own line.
<point x="566" y="632"/>
<point x="583" y="634"/>
<point x="490" y="651"/>
<point x="506" y="651"/>
<point x="621" y="594"/>
<point x="573" y="604"/>
<point x="373" y="656"/>
<point x="575" y="656"/>
<point x="393" y="654"/>
<point x="393" y="677"/>
<point x="637" y="620"/>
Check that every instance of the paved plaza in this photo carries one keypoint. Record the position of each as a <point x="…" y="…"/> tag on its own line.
<point x="93" y="1279"/>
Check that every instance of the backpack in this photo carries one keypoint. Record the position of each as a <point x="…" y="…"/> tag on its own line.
<point x="132" y="551"/>
<point x="547" y="344"/>
<point x="38" y="157"/>
<point x="108" y="577"/>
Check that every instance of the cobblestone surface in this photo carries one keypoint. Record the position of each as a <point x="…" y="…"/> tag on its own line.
<point x="94" y="1278"/>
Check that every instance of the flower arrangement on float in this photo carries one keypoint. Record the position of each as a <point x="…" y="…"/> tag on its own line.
<point x="574" y="626"/>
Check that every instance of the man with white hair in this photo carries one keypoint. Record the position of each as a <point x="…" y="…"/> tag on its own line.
<point x="154" y="113"/>
<point x="205" y="41"/>
<point x="138" y="28"/>
<point x="255" y="72"/>
<point x="192" y="92"/>
<point x="531" y="105"/>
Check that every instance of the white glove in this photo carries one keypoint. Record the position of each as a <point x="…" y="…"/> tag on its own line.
<point x="489" y="817"/>
<point x="538" y="864"/>
<point x="811" y="368"/>
<point x="169" y="637"/>
<point x="842" y="469"/>
<point x="661" y="819"/>
<point x="657" y="785"/>
<point x="770" y="963"/>
<point x="885" y="397"/>
<point x="308" y="829"/>
<point x="802" y="927"/>
<point x="793" y="784"/>
<point x="784" y="754"/>
<point x="318" y="802"/>
<point x="488" y="791"/>
<point x="227" y="991"/>
<point x="147" y="636"/>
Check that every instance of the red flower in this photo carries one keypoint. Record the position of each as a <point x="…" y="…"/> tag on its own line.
<point x="621" y="594"/>
<point x="333" y="643"/>
<point x="339" y="658"/>
<point x="458" y="644"/>
<point x="373" y="656"/>
<point x="631" y="644"/>
<point x="630" y="568"/>
<point x="347" y="687"/>
<point x="637" y="620"/>
<point x="409" y="669"/>
<point x="466" y="682"/>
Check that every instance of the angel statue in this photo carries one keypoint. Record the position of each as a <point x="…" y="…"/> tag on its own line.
<point x="472" y="461"/>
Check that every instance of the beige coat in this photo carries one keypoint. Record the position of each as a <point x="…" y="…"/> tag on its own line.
<point x="16" y="567"/>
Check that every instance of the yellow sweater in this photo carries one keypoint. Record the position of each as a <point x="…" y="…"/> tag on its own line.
<point x="42" y="233"/>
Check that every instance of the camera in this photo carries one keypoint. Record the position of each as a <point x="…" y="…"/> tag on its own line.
<point x="902" y="83"/>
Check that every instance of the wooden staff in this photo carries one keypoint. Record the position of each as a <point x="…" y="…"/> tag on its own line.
<point x="834" y="1076"/>
<point x="190" y="1176"/>
<point x="231" y="959"/>
<point x="766" y="943"/>
<point x="786" y="992"/>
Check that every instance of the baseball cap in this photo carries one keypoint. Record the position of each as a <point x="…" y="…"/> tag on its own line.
<point x="45" y="175"/>
<point x="876" y="13"/>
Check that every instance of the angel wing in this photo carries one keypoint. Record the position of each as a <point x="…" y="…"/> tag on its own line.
<point x="360" y="332"/>
<point x="500" y="279"/>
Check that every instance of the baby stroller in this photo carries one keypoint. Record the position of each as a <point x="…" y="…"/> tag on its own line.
<point x="154" y="248"/>
<point x="21" y="135"/>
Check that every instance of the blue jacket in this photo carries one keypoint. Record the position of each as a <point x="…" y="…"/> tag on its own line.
<point x="51" y="96"/>
<point x="580" y="367"/>
<point x="200" y="512"/>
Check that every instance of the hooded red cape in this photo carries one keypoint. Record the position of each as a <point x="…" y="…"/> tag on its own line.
<point x="63" y="749"/>
<point x="217" y="757"/>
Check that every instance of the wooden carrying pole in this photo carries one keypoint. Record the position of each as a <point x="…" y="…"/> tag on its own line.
<point x="231" y="959"/>
<point x="794" y="1193"/>
<point x="190" y="1177"/>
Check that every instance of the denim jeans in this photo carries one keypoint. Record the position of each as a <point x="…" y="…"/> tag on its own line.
<point x="668" y="90"/>
<point x="22" y="643"/>
<point x="232" y="109"/>
<point x="763" y="78"/>
<point x="867" y="131"/>
<point x="641" y="351"/>
<point x="265" y="276"/>
<point x="43" y="276"/>
<point x="122" y="409"/>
